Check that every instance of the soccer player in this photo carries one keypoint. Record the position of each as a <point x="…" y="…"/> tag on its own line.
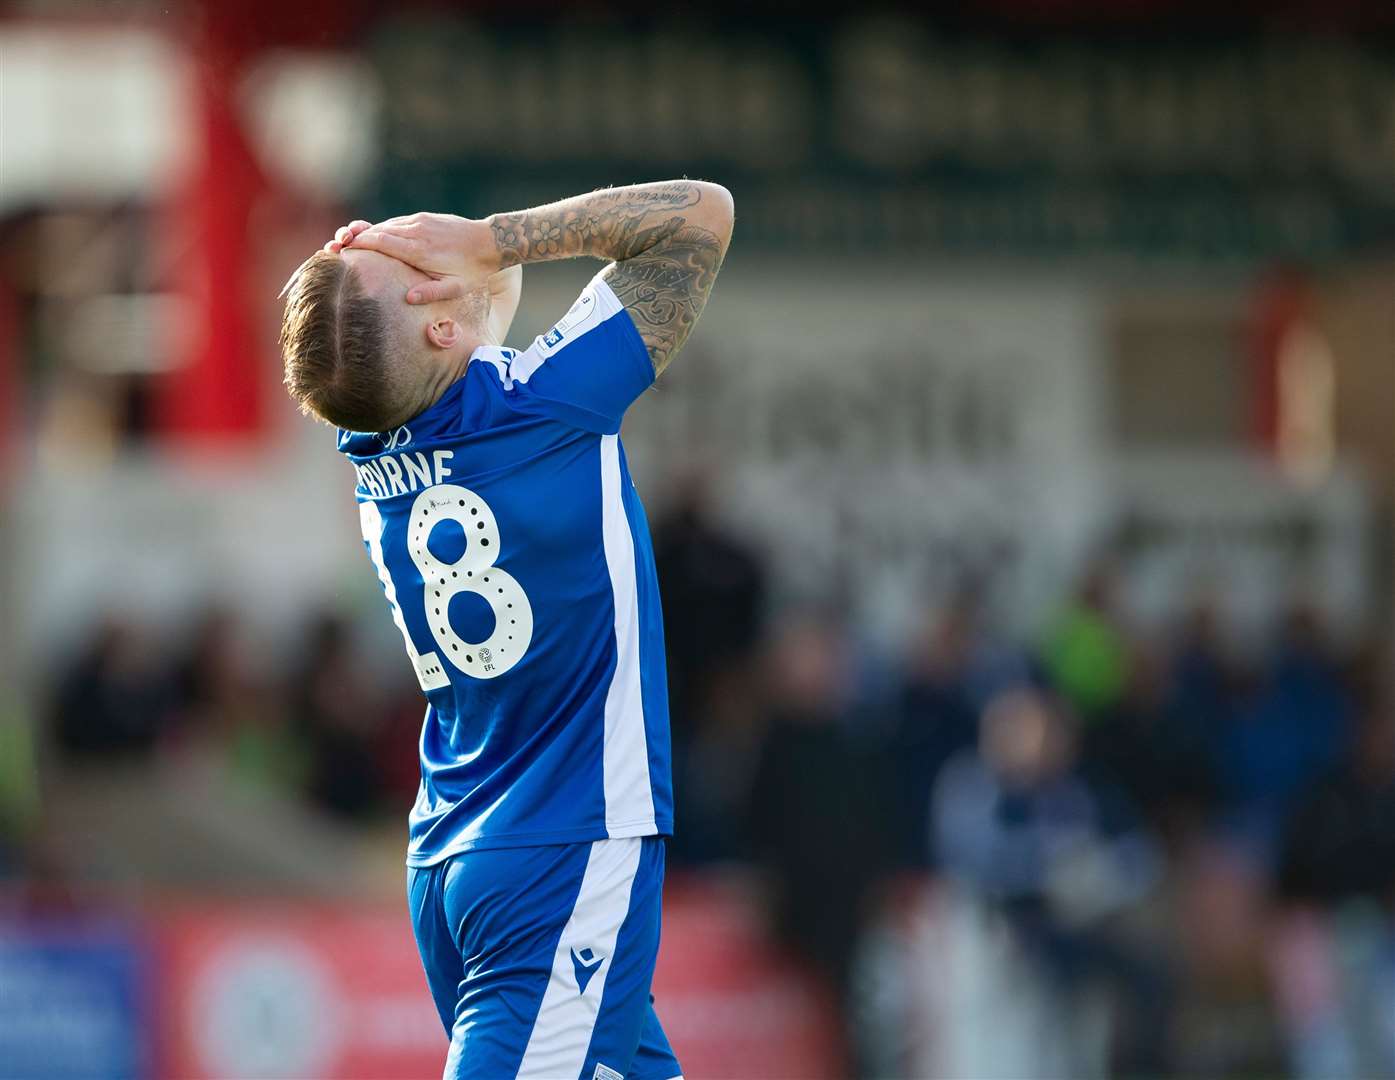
<point x="498" y="509"/>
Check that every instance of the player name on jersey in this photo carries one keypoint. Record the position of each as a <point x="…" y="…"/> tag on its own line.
<point x="398" y="474"/>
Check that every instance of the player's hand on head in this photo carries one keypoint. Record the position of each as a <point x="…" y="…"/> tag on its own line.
<point x="454" y="251"/>
<point x="345" y="234"/>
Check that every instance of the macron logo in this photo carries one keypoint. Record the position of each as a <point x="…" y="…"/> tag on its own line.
<point x="552" y="337"/>
<point x="586" y="965"/>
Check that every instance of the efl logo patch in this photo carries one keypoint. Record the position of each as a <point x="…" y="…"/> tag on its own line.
<point x="605" y="1072"/>
<point x="577" y="315"/>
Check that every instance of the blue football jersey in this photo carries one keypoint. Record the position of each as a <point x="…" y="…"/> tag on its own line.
<point x="516" y="560"/>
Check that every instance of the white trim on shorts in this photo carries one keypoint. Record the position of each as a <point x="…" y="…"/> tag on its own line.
<point x="562" y="1031"/>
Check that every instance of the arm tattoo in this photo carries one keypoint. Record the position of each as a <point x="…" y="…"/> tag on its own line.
<point x="610" y="224"/>
<point x="666" y="288"/>
<point x="664" y="264"/>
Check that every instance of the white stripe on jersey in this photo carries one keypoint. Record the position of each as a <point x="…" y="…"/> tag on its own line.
<point x="629" y="800"/>
<point x="566" y="1018"/>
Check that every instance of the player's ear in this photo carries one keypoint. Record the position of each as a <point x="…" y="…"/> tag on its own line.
<point x="443" y="333"/>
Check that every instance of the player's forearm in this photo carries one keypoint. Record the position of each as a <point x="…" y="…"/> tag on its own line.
<point x="614" y="223"/>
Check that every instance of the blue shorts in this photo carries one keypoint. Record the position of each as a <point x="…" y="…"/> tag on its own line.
<point x="540" y="959"/>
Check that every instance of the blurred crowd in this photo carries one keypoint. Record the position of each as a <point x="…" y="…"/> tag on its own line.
<point x="1200" y="836"/>
<point x="1200" y="833"/>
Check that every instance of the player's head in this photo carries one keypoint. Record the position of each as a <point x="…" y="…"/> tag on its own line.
<point x="357" y="355"/>
<point x="1024" y="737"/>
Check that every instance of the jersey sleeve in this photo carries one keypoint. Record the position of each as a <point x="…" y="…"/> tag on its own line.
<point x="591" y="365"/>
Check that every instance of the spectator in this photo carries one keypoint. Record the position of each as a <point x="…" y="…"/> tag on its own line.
<point x="1017" y="823"/>
<point x="935" y="717"/>
<point x="1334" y="952"/>
<point x="223" y="694"/>
<point x="1086" y="653"/>
<point x="115" y="699"/>
<point x="713" y="585"/>
<point x="1340" y="841"/>
<point x="1205" y="688"/>
<point x="399" y="767"/>
<point x="714" y="595"/>
<point x="1289" y="734"/>
<point x="1161" y="761"/>
<point x="338" y="713"/>
<point x="1204" y="680"/>
<point x="817" y="822"/>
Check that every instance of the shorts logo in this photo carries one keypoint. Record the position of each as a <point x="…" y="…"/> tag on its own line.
<point x="586" y="965"/>
<point x="605" y="1072"/>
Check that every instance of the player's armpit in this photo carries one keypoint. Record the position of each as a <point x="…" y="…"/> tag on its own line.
<point x="666" y="287"/>
<point x="505" y="291"/>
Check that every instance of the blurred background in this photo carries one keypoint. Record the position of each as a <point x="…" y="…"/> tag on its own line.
<point x="1023" y="510"/>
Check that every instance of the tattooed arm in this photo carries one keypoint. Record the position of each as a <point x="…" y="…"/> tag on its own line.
<point x="667" y="241"/>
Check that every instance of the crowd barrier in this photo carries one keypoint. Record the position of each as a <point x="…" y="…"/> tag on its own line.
<point x="215" y="988"/>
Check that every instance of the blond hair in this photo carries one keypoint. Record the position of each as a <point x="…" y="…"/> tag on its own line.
<point x="335" y="342"/>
